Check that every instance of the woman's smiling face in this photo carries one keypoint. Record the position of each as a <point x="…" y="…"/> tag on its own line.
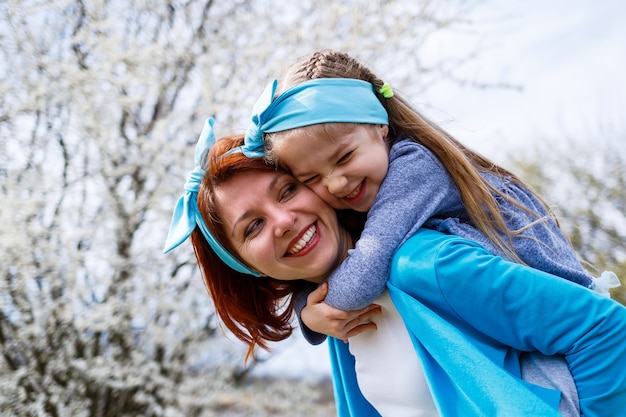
<point x="279" y="227"/>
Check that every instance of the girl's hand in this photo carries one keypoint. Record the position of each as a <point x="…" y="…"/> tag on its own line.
<point x="323" y="318"/>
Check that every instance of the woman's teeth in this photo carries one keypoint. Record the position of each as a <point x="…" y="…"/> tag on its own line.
<point x="306" y="238"/>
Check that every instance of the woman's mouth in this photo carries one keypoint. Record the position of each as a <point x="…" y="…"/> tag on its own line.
<point x="304" y="241"/>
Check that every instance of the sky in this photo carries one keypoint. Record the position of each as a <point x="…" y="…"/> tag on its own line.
<point x="569" y="59"/>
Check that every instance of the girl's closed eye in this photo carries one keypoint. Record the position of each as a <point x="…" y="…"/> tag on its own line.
<point x="310" y="180"/>
<point x="345" y="158"/>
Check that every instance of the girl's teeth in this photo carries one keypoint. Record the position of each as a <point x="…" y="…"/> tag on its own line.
<point x="303" y="242"/>
<point x="354" y="193"/>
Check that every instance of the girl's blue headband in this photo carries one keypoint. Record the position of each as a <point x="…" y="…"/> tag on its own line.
<point x="321" y="100"/>
<point x="187" y="215"/>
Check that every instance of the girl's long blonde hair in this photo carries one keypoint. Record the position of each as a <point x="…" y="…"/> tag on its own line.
<point x="463" y="164"/>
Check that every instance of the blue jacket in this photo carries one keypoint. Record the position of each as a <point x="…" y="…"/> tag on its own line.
<point x="470" y="314"/>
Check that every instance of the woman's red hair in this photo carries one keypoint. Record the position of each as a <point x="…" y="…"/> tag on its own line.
<point x="256" y="310"/>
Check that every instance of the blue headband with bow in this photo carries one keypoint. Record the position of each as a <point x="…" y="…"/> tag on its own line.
<point x="321" y="100"/>
<point x="187" y="215"/>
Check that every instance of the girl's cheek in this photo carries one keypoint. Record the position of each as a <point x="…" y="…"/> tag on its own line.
<point x="323" y="193"/>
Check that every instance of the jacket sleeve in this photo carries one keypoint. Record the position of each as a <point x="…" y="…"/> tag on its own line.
<point x="528" y="310"/>
<point x="299" y="302"/>
<point x="416" y="187"/>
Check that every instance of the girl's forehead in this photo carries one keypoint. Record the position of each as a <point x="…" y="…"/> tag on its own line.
<point x="319" y="136"/>
<point x="329" y="130"/>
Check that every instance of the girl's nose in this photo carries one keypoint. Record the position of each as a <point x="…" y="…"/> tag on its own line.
<point x="336" y="184"/>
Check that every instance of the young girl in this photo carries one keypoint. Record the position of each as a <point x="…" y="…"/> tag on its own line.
<point x="343" y="132"/>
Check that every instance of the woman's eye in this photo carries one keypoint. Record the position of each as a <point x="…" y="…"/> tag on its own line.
<point x="252" y="228"/>
<point x="288" y="191"/>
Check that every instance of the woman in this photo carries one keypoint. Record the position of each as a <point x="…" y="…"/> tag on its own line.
<point x="260" y="221"/>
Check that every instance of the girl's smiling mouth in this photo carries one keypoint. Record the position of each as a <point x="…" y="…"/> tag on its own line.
<point x="356" y="195"/>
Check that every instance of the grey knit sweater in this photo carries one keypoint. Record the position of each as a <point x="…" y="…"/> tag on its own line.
<point x="418" y="191"/>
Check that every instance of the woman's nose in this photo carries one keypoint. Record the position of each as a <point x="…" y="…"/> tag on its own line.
<point x="284" y="221"/>
<point x="336" y="184"/>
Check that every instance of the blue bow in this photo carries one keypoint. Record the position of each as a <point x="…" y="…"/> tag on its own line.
<point x="254" y="145"/>
<point x="187" y="215"/>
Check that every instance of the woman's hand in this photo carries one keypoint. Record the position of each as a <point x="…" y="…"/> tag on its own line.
<point x="323" y="318"/>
